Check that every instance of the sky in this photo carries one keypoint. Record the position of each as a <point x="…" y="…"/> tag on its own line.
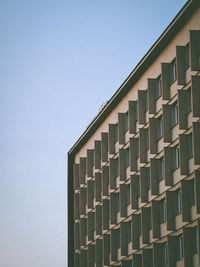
<point x="60" y="60"/>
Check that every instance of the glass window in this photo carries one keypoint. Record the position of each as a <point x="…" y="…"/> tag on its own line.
<point x="137" y="148"/>
<point x="128" y="194"/>
<point x="136" y="111"/>
<point x="139" y="224"/>
<point x="173" y="71"/>
<point x="116" y="167"/>
<point x="148" y="181"/>
<point x="176" y="158"/>
<point x="161" y="168"/>
<point x="180" y="247"/>
<point x="158" y="87"/>
<point x="149" y="218"/>
<point x="174" y="115"/>
<point x="116" y="133"/>
<point x="117" y="202"/>
<point x="147" y="139"/>
<point x="190" y="150"/>
<point x="118" y="237"/>
<point x="165" y="254"/>
<point x="178" y="202"/>
<point x="195" y="240"/>
<point x="146" y="103"/>
<point x="127" y="158"/>
<point x="126" y="122"/>
<point x="187" y="57"/>
<point x="189" y="104"/>
<point x="128" y="232"/>
<point x="160" y="128"/>
<point x="162" y="211"/>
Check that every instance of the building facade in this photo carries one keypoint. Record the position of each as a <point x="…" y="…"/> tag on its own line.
<point x="134" y="174"/>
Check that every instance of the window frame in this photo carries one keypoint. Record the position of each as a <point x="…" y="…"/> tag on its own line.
<point x="159" y="128"/>
<point x="190" y="146"/>
<point x="162" y="210"/>
<point x="173" y="74"/>
<point x="126" y="124"/>
<point x="189" y="101"/>
<point x="176" y="158"/>
<point x="165" y="254"/>
<point x="178" y="202"/>
<point x="116" y="167"/>
<point x="158" y="88"/>
<point x="186" y="56"/>
<point x="127" y="159"/>
<point x="180" y="254"/>
<point x="128" y="195"/>
<point x="174" y="114"/>
<point x="116" y="137"/>
<point x="147" y="139"/>
<point x="117" y="202"/>
<point x="161" y="169"/>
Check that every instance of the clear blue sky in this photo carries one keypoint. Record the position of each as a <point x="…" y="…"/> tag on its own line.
<point x="59" y="61"/>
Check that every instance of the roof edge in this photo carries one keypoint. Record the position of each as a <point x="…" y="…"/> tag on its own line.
<point x="165" y="38"/>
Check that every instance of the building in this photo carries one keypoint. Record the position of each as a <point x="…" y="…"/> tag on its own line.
<point x="134" y="174"/>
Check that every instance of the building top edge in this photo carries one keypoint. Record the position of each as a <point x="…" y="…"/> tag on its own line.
<point x="177" y="23"/>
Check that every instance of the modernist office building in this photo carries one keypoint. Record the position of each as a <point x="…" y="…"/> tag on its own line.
<point x="134" y="174"/>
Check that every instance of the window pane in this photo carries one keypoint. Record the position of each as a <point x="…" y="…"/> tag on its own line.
<point x="161" y="169"/>
<point x="187" y="57"/>
<point x="176" y="158"/>
<point x="139" y="224"/>
<point x="158" y="87"/>
<point x="180" y="244"/>
<point x="162" y="211"/>
<point x="127" y="158"/>
<point x="190" y="151"/>
<point x="128" y="194"/>
<point x="165" y="254"/>
<point x="116" y="168"/>
<point x="189" y="104"/>
<point x="147" y="139"/>
<point x="174" y="115"/>
<point x="126" y="122"/>
<point x="116" y="133"/>
<point x="118" y="238"/>
<point x="173" y="71"/>
<point x="149" y="219"/>
<point x="178" y="202"/>
<point x="195" y="240"/>
<point x="160" y="128"/>
<point x="117" y="202"/>
<point x="128" y="232"/>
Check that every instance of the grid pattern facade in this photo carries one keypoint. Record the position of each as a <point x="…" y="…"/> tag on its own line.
<point x="136" y="193"/>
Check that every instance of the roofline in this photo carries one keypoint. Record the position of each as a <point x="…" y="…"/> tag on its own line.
<point x="165" y="38"/>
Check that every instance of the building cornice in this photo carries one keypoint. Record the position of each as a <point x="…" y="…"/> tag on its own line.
<point x="177" y="23"/>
